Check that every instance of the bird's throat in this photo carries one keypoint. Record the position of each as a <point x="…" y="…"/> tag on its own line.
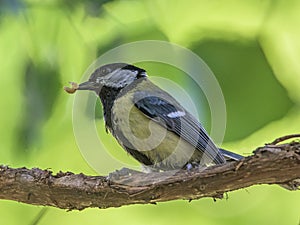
<point x="108" y="96"/>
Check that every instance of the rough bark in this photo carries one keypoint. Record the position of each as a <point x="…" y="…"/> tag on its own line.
<point x="272" y="164"/>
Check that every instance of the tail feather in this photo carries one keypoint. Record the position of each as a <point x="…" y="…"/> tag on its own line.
<point x="229" y="156"/>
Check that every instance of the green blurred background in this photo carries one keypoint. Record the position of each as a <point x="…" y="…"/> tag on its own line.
<point x="252" y="46"/>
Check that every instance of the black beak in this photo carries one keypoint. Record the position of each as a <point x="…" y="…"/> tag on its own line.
<point x="88" y="85"/>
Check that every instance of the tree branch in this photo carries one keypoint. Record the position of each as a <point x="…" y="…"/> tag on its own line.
<point x="271" y="164"/>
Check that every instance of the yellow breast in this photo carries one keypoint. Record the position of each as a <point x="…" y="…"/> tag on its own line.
<point x="163" y="147"/>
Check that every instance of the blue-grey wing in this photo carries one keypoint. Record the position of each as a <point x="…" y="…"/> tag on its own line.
<point x="170" y="114"/>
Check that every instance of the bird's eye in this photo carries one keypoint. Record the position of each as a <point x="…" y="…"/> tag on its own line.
<point x="105" y="71"/>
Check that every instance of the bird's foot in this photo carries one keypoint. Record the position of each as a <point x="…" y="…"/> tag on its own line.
<point x="124" y="172"/>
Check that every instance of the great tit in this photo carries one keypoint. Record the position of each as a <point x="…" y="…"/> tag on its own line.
<point x="149" y="123"/>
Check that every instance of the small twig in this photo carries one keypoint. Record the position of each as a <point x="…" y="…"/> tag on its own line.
<point x="39" y="216"/>
<point x="284" y="138"/>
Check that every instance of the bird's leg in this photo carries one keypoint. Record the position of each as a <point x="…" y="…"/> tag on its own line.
<point x="116" y="175"/>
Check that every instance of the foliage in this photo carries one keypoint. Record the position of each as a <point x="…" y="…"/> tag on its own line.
<point x="252" y="47"/>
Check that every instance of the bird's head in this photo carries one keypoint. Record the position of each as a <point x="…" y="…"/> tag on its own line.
<point x="115" y="75"/>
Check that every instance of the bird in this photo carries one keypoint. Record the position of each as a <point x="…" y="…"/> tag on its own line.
<point x="150" y="124"/>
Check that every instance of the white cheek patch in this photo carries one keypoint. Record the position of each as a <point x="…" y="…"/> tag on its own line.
<point x="176" y="114"/>
<point x="120" y="78"/>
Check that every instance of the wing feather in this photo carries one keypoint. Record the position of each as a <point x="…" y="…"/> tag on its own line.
<point x="170" y="114"/>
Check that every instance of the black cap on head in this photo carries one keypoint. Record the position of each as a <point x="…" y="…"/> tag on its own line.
<point x="115" y="75"/>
